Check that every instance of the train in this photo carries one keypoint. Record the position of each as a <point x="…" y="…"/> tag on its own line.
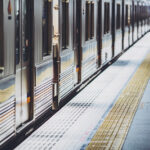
<point x="49" y="48"/>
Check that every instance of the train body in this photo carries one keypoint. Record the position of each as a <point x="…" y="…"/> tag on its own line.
<point x="48" y="48"/>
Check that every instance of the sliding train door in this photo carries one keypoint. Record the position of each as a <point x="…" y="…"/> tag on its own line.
<point x="23" y="49"/>
<point x="66" y="72"/>
<point x="43" y="55"/>
<point x="105" y="25"/>
<point x="88" y="38"/>
<point x="126" y="24"/>
<point x="117" y="27"/>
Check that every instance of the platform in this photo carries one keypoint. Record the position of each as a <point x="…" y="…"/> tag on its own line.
<point x="99" y="117"/>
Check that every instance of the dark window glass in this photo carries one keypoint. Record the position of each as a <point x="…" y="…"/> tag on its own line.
<point x="131" y="19"/>
<point x="1" y="39"/>
<point x="65" y="24"/>
<point x="118" y="23"/>
<point x="106" y="18"/>
<point x="87" y="22"/>
<point x="126" y="16"/>
<point x="25" y="30"/>
<point x="17" y="41"/>
<point x="49" y="27"/>
<point x="135" y="14"/>
<point x="140" y="13"/>
<point x="46" y="28"/>
<point x="92" y="20"/>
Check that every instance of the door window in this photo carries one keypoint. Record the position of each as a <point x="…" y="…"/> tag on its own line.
<point x="25" y="30"/>
<point x="65" y="24"/>
<point x="1" y="39"/>
<point x="118" y="19"/>
<point x="46" y="28"/>
<point x="92" y="20"/>
<point x="89" y="21"/>
<point x="131" y="18"/>
<point x="17" y="37"/>
<point x="126" y="16"/>
<point x="135" y="14"/>
<point x="106" y="18"/>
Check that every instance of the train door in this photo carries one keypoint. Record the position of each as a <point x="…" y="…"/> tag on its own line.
<point x="126" y="21"/>
<point x="117" y="27"/>
<point x="66" y="74"/>
<point x="23" y="42"/>
<point x="88" y="38"/>
<point x="105" y="33"/>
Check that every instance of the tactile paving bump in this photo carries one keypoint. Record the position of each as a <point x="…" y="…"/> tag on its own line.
<point x="111" y="134"/>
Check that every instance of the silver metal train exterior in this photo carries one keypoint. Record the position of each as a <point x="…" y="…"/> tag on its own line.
<point x="50" y="47"/>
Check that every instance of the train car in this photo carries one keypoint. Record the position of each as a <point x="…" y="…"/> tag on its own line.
<point x="117" y="27"/>
<point x="58" y="45"/>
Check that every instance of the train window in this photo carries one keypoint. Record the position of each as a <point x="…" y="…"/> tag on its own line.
<point x="135" y="14"/>
<point x="87" y="22"/>
<point x="118" y="23"/>
<point x="46" y="28"/>
<point x="131" y="19"/>
<point x="140" y="13"/>
<point x="17" y="33"/>
<point x="92" y="20"/>
<point x="126" y="16"/>
<point x="1" y="40"/>
<point x="25" y="28"/>
<point x="106" y="18"/>
<point x="65" y="24"/>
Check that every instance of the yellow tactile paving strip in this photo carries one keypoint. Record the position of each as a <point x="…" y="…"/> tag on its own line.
<point x="111" y="134"/>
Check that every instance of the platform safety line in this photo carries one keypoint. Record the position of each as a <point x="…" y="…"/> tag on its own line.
<point x="112" y="132"/>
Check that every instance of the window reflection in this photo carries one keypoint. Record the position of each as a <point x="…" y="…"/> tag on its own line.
<point x="1" y="39"/>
